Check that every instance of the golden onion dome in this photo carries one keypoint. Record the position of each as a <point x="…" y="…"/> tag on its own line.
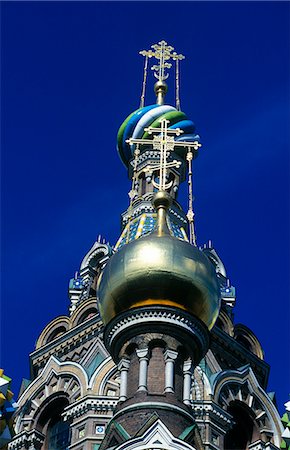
<point x="159" y="270"/>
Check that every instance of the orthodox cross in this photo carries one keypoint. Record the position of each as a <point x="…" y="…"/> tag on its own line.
<point x="163" y="140"/>
<point x="163" y="53"/>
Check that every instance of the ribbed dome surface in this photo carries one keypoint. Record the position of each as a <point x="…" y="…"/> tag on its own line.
<point x="135" y="124"/>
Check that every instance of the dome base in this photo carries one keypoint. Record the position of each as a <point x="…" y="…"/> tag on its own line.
<point x="189" y="330"/>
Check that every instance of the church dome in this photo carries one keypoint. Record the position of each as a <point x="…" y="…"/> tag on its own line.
<point x="135" y="124"/>
<point x="159" y="270"/>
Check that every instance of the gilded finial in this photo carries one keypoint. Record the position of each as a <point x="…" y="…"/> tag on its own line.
<point x="161" y="202"/>
<point x="163" y="53"/>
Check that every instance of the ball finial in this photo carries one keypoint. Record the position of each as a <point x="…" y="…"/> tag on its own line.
<point x="161" y="199"/>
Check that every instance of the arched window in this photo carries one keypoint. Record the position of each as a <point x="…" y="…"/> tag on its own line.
<point x="88" y="314"/>
<point x="245" y="342"/>
<point x="244" y="431"/>
<point x="58" y="434"/>
<point x="52" y="425"/>
<point x="55" y="333"/>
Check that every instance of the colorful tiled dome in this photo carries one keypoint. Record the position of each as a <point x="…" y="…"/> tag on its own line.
<point x="135" y="124"/>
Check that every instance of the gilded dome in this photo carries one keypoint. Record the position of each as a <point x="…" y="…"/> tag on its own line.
<point x="159" y="270"/>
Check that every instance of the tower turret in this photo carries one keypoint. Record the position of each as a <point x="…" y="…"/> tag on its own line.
<point x="158" y="294"/>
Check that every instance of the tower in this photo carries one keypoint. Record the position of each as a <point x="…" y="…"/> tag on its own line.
<point x="149" y="356"/>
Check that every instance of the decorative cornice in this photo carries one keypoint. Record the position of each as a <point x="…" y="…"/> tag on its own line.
<point x="27" y="439"/>
<point x="174" y="322"/>
<point x="69" y="340"/>
<point x="210" y="408"/>
<point x="97" y="404"/>
<point x="153" y="406"/>
<point x="145" y="205"/>
<point x="226" y="343"/>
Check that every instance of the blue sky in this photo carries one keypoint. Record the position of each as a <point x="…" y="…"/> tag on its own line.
<point x="71" y="74"/>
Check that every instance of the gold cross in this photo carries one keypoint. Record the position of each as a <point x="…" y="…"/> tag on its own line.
<point x="164" y="142"/>
<point x="163" y="53"/>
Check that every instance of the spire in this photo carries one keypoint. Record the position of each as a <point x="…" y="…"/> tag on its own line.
<point x="157" y="143"/>
<point x="163" y="53"/>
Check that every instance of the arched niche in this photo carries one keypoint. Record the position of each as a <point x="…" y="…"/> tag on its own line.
<point x="85" y="311"/>
<point x="53" y="330"/>
<point x="248" y="340"/>
<point x="51" y="424"/>
<point x="95" y="254"/>
<point x="244" y="430"/>
<point x="239" y="393"/>
<point x="224" y="323"/>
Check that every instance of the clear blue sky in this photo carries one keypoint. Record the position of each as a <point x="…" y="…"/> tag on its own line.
<point x="71" y="74"/>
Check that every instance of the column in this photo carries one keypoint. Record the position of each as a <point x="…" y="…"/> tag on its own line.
<point x="169" y="357"/>
<point x="123" y="367"/>
<point x="187" y="373"/>
<point x="143" y="368"/>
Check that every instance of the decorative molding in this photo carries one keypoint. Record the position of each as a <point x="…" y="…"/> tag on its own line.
<point x="201" y="382"/>
<point x="27" y="439"/>
<point x="210" y="408"/>
<point x="245" y="376"/>
<point x="104" y="377"/>
<point x="170" y="318"/>
<point x="146" y="206"/>
<point x="157" y="437"/>
<point x="109" y="373"/>
<point x="84" y="306"/>
<point x="227" y="347"/>
<point x="97" y="249"/>
<point x="54" y="325"/>
<point x="151" y="405"/>
<point x="57" y="368"/>
<point x="67" y="341"/>
<point x="102" y="405"/>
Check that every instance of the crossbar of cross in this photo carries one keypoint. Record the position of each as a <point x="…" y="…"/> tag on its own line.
<point x="163" y="53"/>
<point x="163" y="140"/>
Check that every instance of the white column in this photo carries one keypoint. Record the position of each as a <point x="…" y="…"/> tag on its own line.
<point x="123" y="367"/>
<point x="143" y="368"/>
<point x="169" y="357"/>
<point x="187" y="373"/>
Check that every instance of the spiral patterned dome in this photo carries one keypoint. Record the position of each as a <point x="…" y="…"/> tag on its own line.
<point x="135" y="124"/>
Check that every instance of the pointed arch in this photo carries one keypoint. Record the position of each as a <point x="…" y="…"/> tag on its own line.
<point x="156" y="437"/>
<point x="97" y="252"/>
<point x="105" y="375"/>
<point x="241" y="385"/>
<point x="55" y="368"/>
<point x="201" y="387"/>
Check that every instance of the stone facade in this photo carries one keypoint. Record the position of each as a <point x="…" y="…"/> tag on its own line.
<point x="74" y="376"/>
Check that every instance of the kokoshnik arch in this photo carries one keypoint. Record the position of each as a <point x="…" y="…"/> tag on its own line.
<point x="149" y="356"/>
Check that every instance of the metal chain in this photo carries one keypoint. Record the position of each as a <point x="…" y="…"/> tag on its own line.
<point x="177" y="84"/>
<point x="132" y="192"/>
<point x="142" y="99"/>
<point x="190" y="213"/>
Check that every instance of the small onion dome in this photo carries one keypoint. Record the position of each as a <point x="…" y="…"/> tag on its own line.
<point x="159" y="270"/>
<point x="135" y="124"/>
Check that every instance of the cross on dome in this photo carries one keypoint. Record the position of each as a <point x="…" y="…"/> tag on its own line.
<point x="163" y="53"/>
<point x="163" y="140"/>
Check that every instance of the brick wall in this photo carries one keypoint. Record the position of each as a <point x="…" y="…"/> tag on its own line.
<point x="156" y="371"/>
<point x="133" y="375"/>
